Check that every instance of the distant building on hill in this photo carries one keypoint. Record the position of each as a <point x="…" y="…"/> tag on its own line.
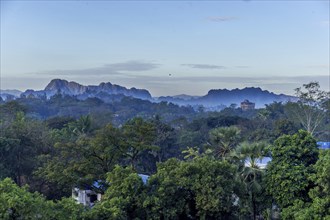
<point x="247" y="105"/>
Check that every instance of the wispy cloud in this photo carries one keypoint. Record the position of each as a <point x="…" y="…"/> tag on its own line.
<point x="186" y="84"/>
<point x="132" y="66"/>
<point x="246" y="80"/>
<point x="221" y="18"/>
<point x="108" y="69"/>
<point x="204" y="66"/>
<point x="320" y="66"/>
<point x="242" y="67"/>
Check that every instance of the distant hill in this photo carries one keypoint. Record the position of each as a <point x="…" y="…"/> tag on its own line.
<point x="257" y="95"/>
<point x="220" y="97"/>
<point x="215" y="99"/>
<point x="9" y="94"/>
<point x="60" y="86"/>
<point x="13" y="92"/>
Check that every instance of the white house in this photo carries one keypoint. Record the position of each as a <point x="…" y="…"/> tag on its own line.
<point x="88" y="196"/>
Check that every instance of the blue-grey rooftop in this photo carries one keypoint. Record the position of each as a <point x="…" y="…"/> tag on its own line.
<point x="323" y="145"/>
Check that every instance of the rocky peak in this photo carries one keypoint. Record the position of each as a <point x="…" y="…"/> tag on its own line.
<point x="72" y="88"/>
<point x="56" y="84"/>
<point x="65" y="87"/>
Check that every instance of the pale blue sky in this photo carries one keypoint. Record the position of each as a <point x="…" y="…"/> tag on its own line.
<point x="275" y="45"/>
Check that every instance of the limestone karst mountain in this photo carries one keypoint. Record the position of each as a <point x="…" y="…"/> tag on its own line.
<point x="215" y="99"/>
<point x="64" y="87"/>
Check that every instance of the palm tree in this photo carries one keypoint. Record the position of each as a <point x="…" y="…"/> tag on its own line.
<point x="81" y="126"/>
<point x="224" y="140"/>
<point x="251" y="172"/>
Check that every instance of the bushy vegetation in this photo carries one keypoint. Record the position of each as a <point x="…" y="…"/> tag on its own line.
<point x="197" y="161"/>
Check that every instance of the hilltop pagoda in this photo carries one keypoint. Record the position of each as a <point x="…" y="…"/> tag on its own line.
<point x="247" y="105"/>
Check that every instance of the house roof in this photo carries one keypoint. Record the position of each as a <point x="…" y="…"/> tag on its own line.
<point x="247" y="102"/>
<point x="323" y="145"/>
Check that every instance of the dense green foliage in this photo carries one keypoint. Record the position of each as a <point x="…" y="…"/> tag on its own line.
<point x="17" y="203"/>
<point x="202" y="165"/>
<point x="318" y="204"/>
<point x="202" y="188"/>
<point x="291" y="165"/>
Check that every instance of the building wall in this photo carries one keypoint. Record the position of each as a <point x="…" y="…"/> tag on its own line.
<point x="84" y="196"/>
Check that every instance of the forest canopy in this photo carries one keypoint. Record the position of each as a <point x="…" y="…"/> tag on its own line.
<point x="200" y="165"/>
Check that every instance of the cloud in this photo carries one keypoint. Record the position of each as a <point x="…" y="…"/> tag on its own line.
<point x="275" y="82"/>
<point x="132" y="66"/>
<point x="320" y="66"/>
<point x="221" y="18"/>
<point x="246" y="80"/>
<point x="203" y="66"/>
<point x="108" y="69"/>
<point x="242" y="67"/>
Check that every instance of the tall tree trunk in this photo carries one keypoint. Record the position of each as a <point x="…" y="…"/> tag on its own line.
<point x="254" y="208"/>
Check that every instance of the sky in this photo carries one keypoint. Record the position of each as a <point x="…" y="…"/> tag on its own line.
<point x="167" y="47"/>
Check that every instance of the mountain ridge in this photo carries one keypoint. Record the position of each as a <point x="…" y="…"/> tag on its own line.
<point x="64" y="87"/>
<point x="108" y="92"/>
<point x="220" y="97"/>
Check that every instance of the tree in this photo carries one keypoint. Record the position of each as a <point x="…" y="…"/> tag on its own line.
<point x="8" y="110"/>
<point x="276" y="110"/>
<point x="82" y="126"/>
<point x="18" y="203"/>
<point x="284" y="126"/>
<point x="67" y="208"/>
<point x="287" y="176"/>
<point x="319" y="205"/>
<point x="124" y="197"/>
<point x="62" y="169"/>
<point x="139" y="137"/>
<point x="309" y="110"/>
<point x="224" y="140"/>
<point x="201" y="188"/>
<point x="252" y="176"/>
<point x="165" y="140"/>
<point x="82" y="161"/>
<point x="20" y="144"/>
<point x="58" y="122"/>
<point x="104" y="152"/>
